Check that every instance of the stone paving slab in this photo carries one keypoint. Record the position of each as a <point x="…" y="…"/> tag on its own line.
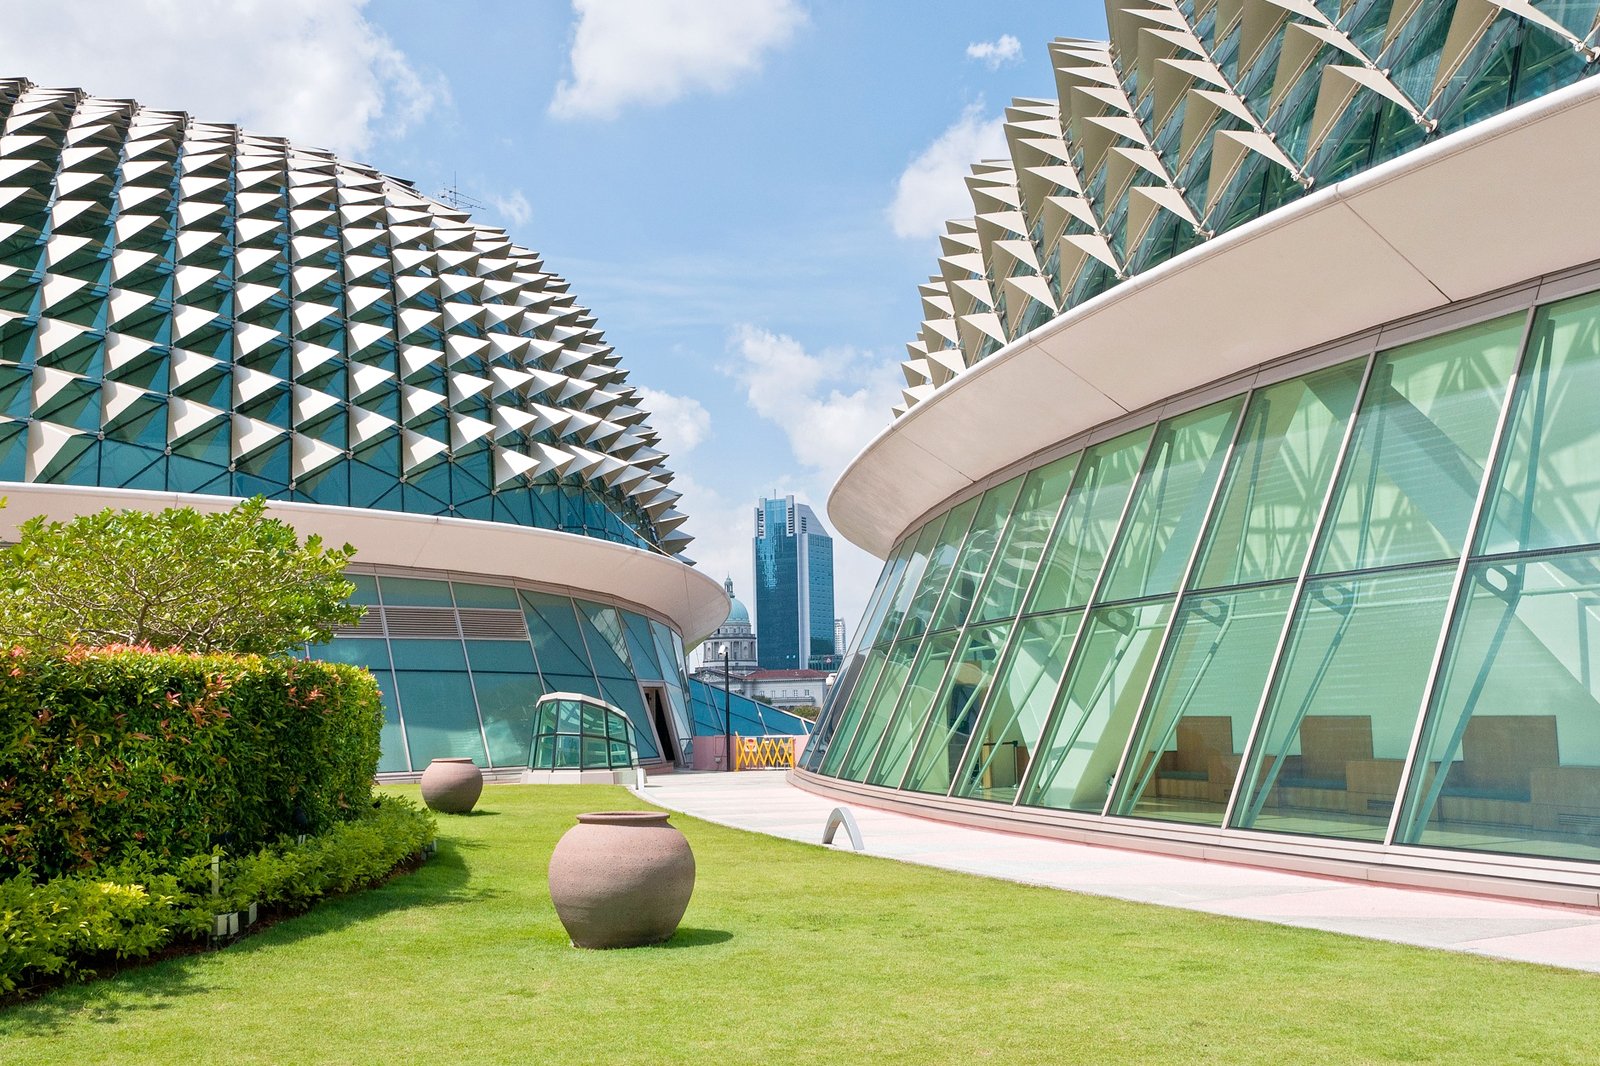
<point x="765" y="802"/>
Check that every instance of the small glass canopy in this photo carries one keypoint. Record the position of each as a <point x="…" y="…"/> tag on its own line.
<point x="572" y="731"/>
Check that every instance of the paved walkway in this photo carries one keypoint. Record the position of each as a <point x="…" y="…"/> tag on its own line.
<point x="767" y="803"/>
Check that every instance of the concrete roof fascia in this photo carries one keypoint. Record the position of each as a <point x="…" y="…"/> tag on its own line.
<point x="693" y="602"/>
<point x="1409" y="236"/>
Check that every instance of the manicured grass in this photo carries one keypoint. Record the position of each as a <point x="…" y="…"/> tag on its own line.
<point x="793" y="954"/>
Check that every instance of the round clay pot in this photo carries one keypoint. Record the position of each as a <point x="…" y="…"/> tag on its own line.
<point x="451" y="786"/>
<point x="620" y="879"/>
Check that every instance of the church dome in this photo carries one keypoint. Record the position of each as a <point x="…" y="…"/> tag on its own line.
<point x="738" y="613"/>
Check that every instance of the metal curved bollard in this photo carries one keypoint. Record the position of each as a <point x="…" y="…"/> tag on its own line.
<point x="842" y="816"/>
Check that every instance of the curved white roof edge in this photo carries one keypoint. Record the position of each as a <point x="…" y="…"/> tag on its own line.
<point x="1503" y="201"/>
<point x="693" y="602"/>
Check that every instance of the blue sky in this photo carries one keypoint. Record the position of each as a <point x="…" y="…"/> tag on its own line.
<point x="746" y="192"/>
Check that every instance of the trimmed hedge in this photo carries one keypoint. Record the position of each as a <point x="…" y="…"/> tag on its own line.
<point x="122" y="754"/>
<point x="63" y="928"/>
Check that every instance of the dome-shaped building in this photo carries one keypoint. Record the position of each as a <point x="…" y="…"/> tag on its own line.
<point x="736" y="634"/>
<point x="1242" y="499"/>
<point x="192" y="313"/>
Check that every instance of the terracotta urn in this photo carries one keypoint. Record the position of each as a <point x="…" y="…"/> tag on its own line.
<point x="620" y="879"/>
<point x="451" y="786"/>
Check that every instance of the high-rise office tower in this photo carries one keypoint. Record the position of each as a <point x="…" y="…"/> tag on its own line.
<point x="794" y="587"/>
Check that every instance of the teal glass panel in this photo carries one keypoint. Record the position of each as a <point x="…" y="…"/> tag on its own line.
<point x="988" y="524"/>
<point x="1510" y="753"/>
<point x="1345" y="705"/>
<point x="1169" y="504"/>
<point x="1032" y="519"/>
<point x="508" y="656"/>
<point x="876" y="710"/>
<point x="1088" y="521"/>
<point x="602" y="632"/>
<point x="1547" y="491"/>
<point x="499" y="597"/>
<point x="1190" y="739"/>
<point x="1100" y="699"/>
<point x="624" y="693"/>
<point x="955" y="712"/>
<point x="1019" y="705"/>
<point x="420" y="654"/>
<point x="1278" y="477"/>
<point x="415" y="592"/>
<point x="557" y="642"/>
<point x="366" y="588"/>
<point x="440" y="717"/>
<point x="583" y="684"/>
<point x="1422" y="437"/>
<point x="916" y="702"/>
<point x="941" y="561"/>
<point x="371" y="652"/>
<point x="641" y="648"/>
<point x="392" y="739"/>
<point x="506" y="703"/>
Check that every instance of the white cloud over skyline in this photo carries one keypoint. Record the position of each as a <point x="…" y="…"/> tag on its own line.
<point x="932" y="189"/>
<point x="682" y="421"/>
<point x="651" y="52"/>
<point x="315" y="71"/>
<point x="513" y="207"/>
<point x="995" y="54"/>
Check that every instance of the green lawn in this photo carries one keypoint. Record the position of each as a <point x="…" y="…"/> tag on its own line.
<point x="790" y="953"/>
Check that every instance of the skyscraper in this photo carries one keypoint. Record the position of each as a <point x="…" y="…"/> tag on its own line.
<point x="794" y="587"/>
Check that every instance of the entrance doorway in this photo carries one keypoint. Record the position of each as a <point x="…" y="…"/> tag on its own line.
<point x="655" y="698"/>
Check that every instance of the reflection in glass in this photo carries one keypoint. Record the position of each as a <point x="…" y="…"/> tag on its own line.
<point x="1186" y="751"/>
<point x="1019" y="704"/>
<point x="941" y="561"/>
<point x="1342" y="712"/>
<point x="1516" y="722"/>
<point x="1422" y="437"/>
<point x="1547" y="493"/>
<point x="877" y="711"/>
<point x="954" y="711"/>
<point x="1088" y="522"/>
<point x="1092" y="720"/>
<point x="1277" y="478"/>
<point x="1170" y="503"/>
<point x="977" y="553"/>
<point x="910" y="580"/>
<point x="918" y="699"/>
<point x="1031" y="521"/>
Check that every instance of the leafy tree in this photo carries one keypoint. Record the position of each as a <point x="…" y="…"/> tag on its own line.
<point x="230" y="581"/>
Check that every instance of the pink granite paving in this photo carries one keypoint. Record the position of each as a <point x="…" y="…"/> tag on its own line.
<point x="765" y="802"/>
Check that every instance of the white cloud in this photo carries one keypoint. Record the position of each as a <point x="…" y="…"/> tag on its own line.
<point x="932" y="190"/>
<point x="315" y="71"/>
<point x="996" y="54"/>
<point x="828" y="405"/>
<point x="513" y="208"/>
<point x="682" y="421"/>
<point x="654" y="51"/>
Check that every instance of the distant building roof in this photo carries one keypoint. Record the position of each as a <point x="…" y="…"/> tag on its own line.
<point x="786" y="675"/>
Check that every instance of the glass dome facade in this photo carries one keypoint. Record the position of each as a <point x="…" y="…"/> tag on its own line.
<point x="195" y="308"/>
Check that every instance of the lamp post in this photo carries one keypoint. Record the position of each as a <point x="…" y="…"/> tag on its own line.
<point x="727" y="709"/>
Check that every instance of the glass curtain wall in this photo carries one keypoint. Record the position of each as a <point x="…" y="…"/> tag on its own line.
<point x="462" y="665"/>
<point x="1360" y="604"/>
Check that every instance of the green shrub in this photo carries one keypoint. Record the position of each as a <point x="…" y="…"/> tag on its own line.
<point x="63" y="928"/>
<point x="114" y="754"/>
<point x="233" y="580"/>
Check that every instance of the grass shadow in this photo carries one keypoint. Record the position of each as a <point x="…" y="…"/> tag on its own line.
<point x="160" y="983"/>
<point x="687" y="937"/>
